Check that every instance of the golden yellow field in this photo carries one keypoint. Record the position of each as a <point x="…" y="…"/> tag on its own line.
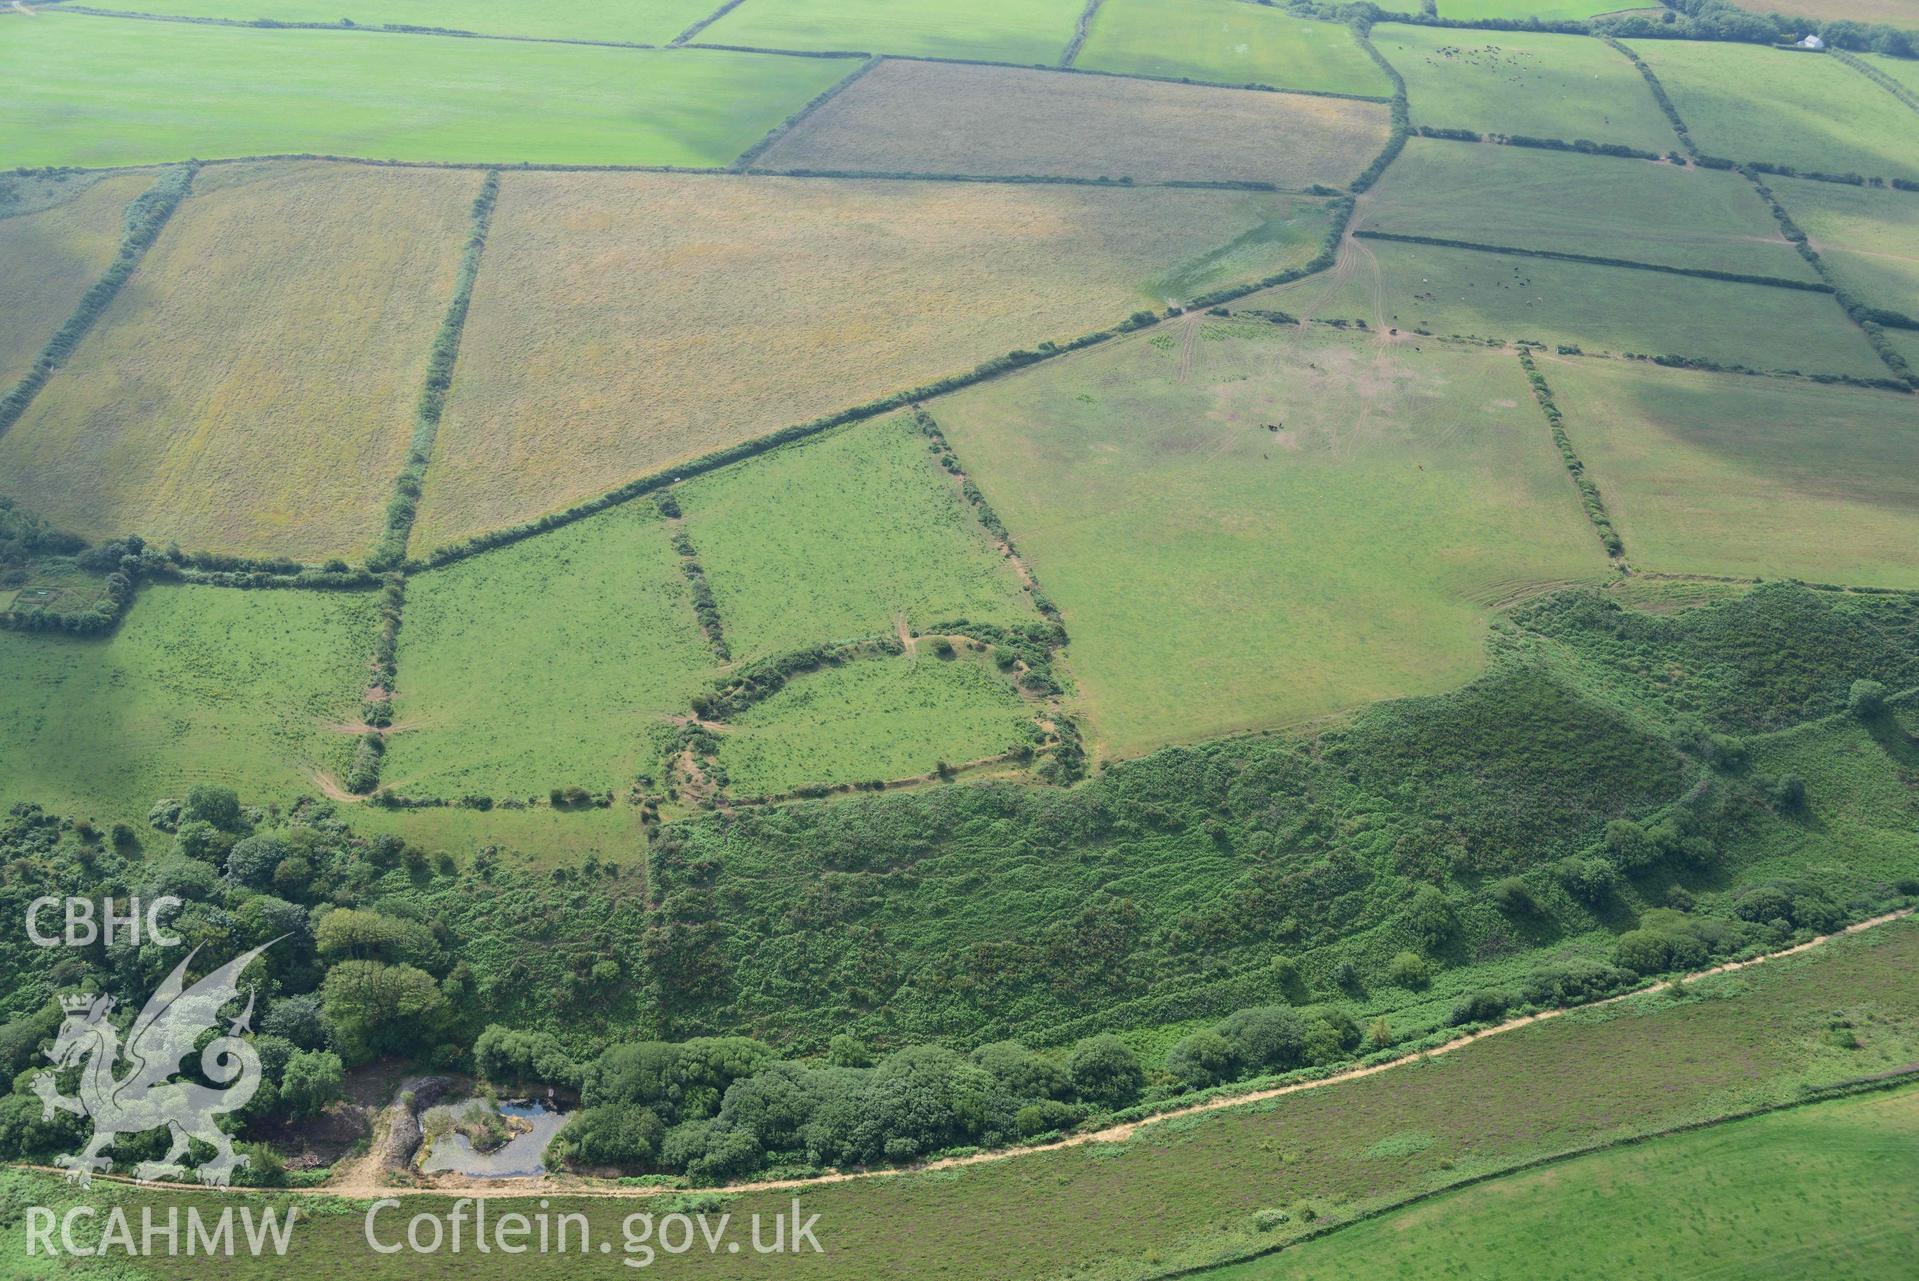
<point x="624" y="323"/>
<point x="931" y="117"/>
<point x="56" y="237"/>
<point x="251" y="390"/>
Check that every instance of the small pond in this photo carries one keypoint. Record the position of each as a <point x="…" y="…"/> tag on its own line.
<point x="522" y="1156"/>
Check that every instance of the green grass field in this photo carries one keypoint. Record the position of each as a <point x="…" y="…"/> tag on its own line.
<point x="1218" y="575"/>
<point x="878" y="718"/>
<point x="1612" y="309"/>
<point x="627" y="323"/>
<point x="631" y="21"/>
<point x="108" y="91"/>
<point x="56" y="236"/>
<point x="1028" y="31"/>
<point x="1519" y="10"/>
<point x="1186" y="1192"/>
<point x="1722" y="474"/>
<point x="550" y="662"/>
<point x="935" y="117"/>
<point x="1765" y="1197"/>
<point x="1226" y="42"/>
<point x="199" y="685"/>
<point x="1901" y="69"/>
<point x="1781" y="107"/>
<point x="251" y="390"/>
<point x="1868" y="238"/>
<point x="1529" y="198"/>
<point x="844" y="537"/>
<point x="1541" y="86"/>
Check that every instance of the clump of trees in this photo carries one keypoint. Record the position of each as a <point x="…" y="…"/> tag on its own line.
<point x="719" y="1108"/>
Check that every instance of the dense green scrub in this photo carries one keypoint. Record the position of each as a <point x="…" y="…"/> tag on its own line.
<point x="83" y="92"/>
<point x="1161" y="890"/>
<point x="1217" y="1187"/>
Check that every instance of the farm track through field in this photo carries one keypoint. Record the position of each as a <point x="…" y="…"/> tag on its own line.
<point x="363" y="1185"/>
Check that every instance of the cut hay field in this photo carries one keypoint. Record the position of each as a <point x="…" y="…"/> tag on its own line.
<point x="1763" y="1198"/>
<point x="94" y="91"/>
<point x="1780" y="107"/>
<point x="1529" y="198"/>
<point x="1903" y="14"/>
<point x="877" y="718"/>
<point x="623" y="324"/>
<point x="1216" y="575"/>
<point x="1227" y="42"/>
<point x="631" y="21"/>
<point x="1722" y="474"/>
<point x="251" y="389"/>
<point x="1867" y="237"/>
<point x="1186" y="1192"/>
<point x="199" y="685"/>
<point x="1029" y="31"/>
<point x="1612" y="309"/>
<point x="57" y="235"/>
<point x="929" y="117"/>
<point x="844" y="537"/>
<point x="1541" y="86"/>
<point x="551" y="662"/>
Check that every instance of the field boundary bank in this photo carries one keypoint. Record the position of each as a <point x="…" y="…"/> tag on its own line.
<point x="1893" y="1079"/>
<point x="704" y="23"/>
<point x="390" y="551"/>
<point x="705" y="608"/>
<point x="1593" y="503"/>
<point x="1878" y="77"/>
<point x="1869" y="320"/>
<point x="383" y="29"/>
<point x="1119" y="1133"/>
<point x="994" y="368"/>
<point x="710" y="171"/>
<point x="1080" y="32"/>
<point x="145" y="217"/>
<point x="786" y="126"/>
<point x="1702" y="273"/>
<point x="1399" y="109"/>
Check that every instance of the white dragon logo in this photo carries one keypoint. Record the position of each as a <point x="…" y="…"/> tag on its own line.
<point x="147" y="1097"/>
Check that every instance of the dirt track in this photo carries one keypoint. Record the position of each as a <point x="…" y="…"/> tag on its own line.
<point x="360" y="1184"/>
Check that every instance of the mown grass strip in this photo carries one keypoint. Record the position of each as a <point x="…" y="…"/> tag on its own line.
<point x="145" y="218"/>
<point x="1589" y="495"/>
<point x="1703" y="273"/>
<point x="390" y="551"/>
